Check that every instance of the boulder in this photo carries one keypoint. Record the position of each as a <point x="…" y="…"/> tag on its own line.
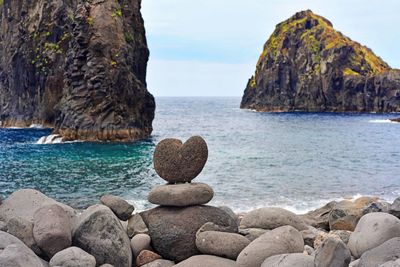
<point x="140" y="242"/>
<point x="387" y="251"/>
<point x="23" y="230"/>
<point x="19" y="256"/>
<point x="319" y="218"/>
<point x="99" y="232"/>
<point x="310" y="235"/>
<point x="252" y="233"/>
<point x="25" y="202"/>
<point x="346" y="214"/>
<point x="160" y="263"/>
<point x="181" y="195"/>
<point x="173" y="229"/>
<point x="271" y="218"/>
<point x="332" y="253"/>
<point x="230" y="212"/>
<point x="136" y="226"/>
<point x="18" y="209"/>
<point x="376" y="207"/>
<point x="52" y="229"/>
<point x="206" y="260"/>
<point x="282" y="240"/>
<point x="209" y="226"/>
<point x="308" y="250"/>
<point x="372" y="230"/>
<point x="394" y="208"/>
<point x="179" y="163"/>
<point x="14" y="253"/>
<point x="342" y="235"/>
<point x="119" y="206"/>
<point x="395" y="263"/>
<point x="72" y="257"/>
<point x="3" y="226"/>
<point x="289" y="260"/>
<point x="145" y="257"/>
<point x="227" y="245"/>
<point x="355" y="263"/>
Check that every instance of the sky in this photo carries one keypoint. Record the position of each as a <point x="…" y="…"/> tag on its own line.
<point x="211" y="47"/>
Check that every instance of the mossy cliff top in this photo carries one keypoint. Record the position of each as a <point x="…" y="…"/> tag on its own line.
<point x="306" y="65"/>
<point x="318" y="36"/>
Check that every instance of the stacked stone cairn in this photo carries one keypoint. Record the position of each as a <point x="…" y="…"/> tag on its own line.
<point x="180" y="226"/>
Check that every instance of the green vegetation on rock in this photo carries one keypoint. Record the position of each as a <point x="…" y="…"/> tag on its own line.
<point x="318" y="35"/>
<point x="307" y="65"/>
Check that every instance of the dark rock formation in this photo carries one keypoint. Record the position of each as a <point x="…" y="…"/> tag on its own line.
<point x="307" y="65"/>
<point x="76" y="66"/>
<point x="396" y="120"/>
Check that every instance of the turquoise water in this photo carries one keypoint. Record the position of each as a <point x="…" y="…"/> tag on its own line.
<point x="293" y="160"/>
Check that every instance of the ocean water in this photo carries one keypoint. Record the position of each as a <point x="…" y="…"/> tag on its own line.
<point x="298" y="161"/>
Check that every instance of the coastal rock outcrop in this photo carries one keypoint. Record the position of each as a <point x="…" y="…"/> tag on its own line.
<point x="306" y="65"/>
<point x="76" y="66"/>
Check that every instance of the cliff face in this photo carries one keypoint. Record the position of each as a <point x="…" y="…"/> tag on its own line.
<point x="76" y="66"/>
<point x="308" y="66"/>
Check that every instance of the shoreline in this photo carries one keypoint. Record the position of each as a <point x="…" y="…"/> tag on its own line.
<point x="334" y="221"/>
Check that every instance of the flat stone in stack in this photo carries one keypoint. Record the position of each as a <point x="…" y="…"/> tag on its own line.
<point x="179" y="164"/>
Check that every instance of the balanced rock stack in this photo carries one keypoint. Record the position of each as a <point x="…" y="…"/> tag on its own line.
<point x="179" y="164"/>
<point x="173" y="225"/>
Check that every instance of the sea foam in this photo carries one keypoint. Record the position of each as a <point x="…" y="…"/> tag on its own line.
<point x="382" y="121"/>
<point x="50" y="139"/>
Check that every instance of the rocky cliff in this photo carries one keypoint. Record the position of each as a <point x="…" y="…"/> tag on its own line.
<point x="307" y="65"/>
<point x="76" y="66"/>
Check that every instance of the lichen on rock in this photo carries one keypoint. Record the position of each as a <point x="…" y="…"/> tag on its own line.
<point x="307" y="65"/>
<point x="76" y="66"/>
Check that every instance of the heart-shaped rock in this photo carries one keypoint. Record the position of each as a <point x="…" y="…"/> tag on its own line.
<point x="179" y="163"/>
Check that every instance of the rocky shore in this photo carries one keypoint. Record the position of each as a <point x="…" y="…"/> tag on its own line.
<point x="184" y="231"/>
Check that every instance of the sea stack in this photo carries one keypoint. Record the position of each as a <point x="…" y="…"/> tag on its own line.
<point x="306" y="65"/>
<point x="76" y="66"/>
<point x="181" y="212"/>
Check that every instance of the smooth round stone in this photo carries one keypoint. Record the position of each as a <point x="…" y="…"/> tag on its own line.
<point x="178" y="163"/>
<point x="139" y="243"/>
<point x="181" y="195"/>
<point x="371" y="231"/>
<point x="121" y="208"/>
